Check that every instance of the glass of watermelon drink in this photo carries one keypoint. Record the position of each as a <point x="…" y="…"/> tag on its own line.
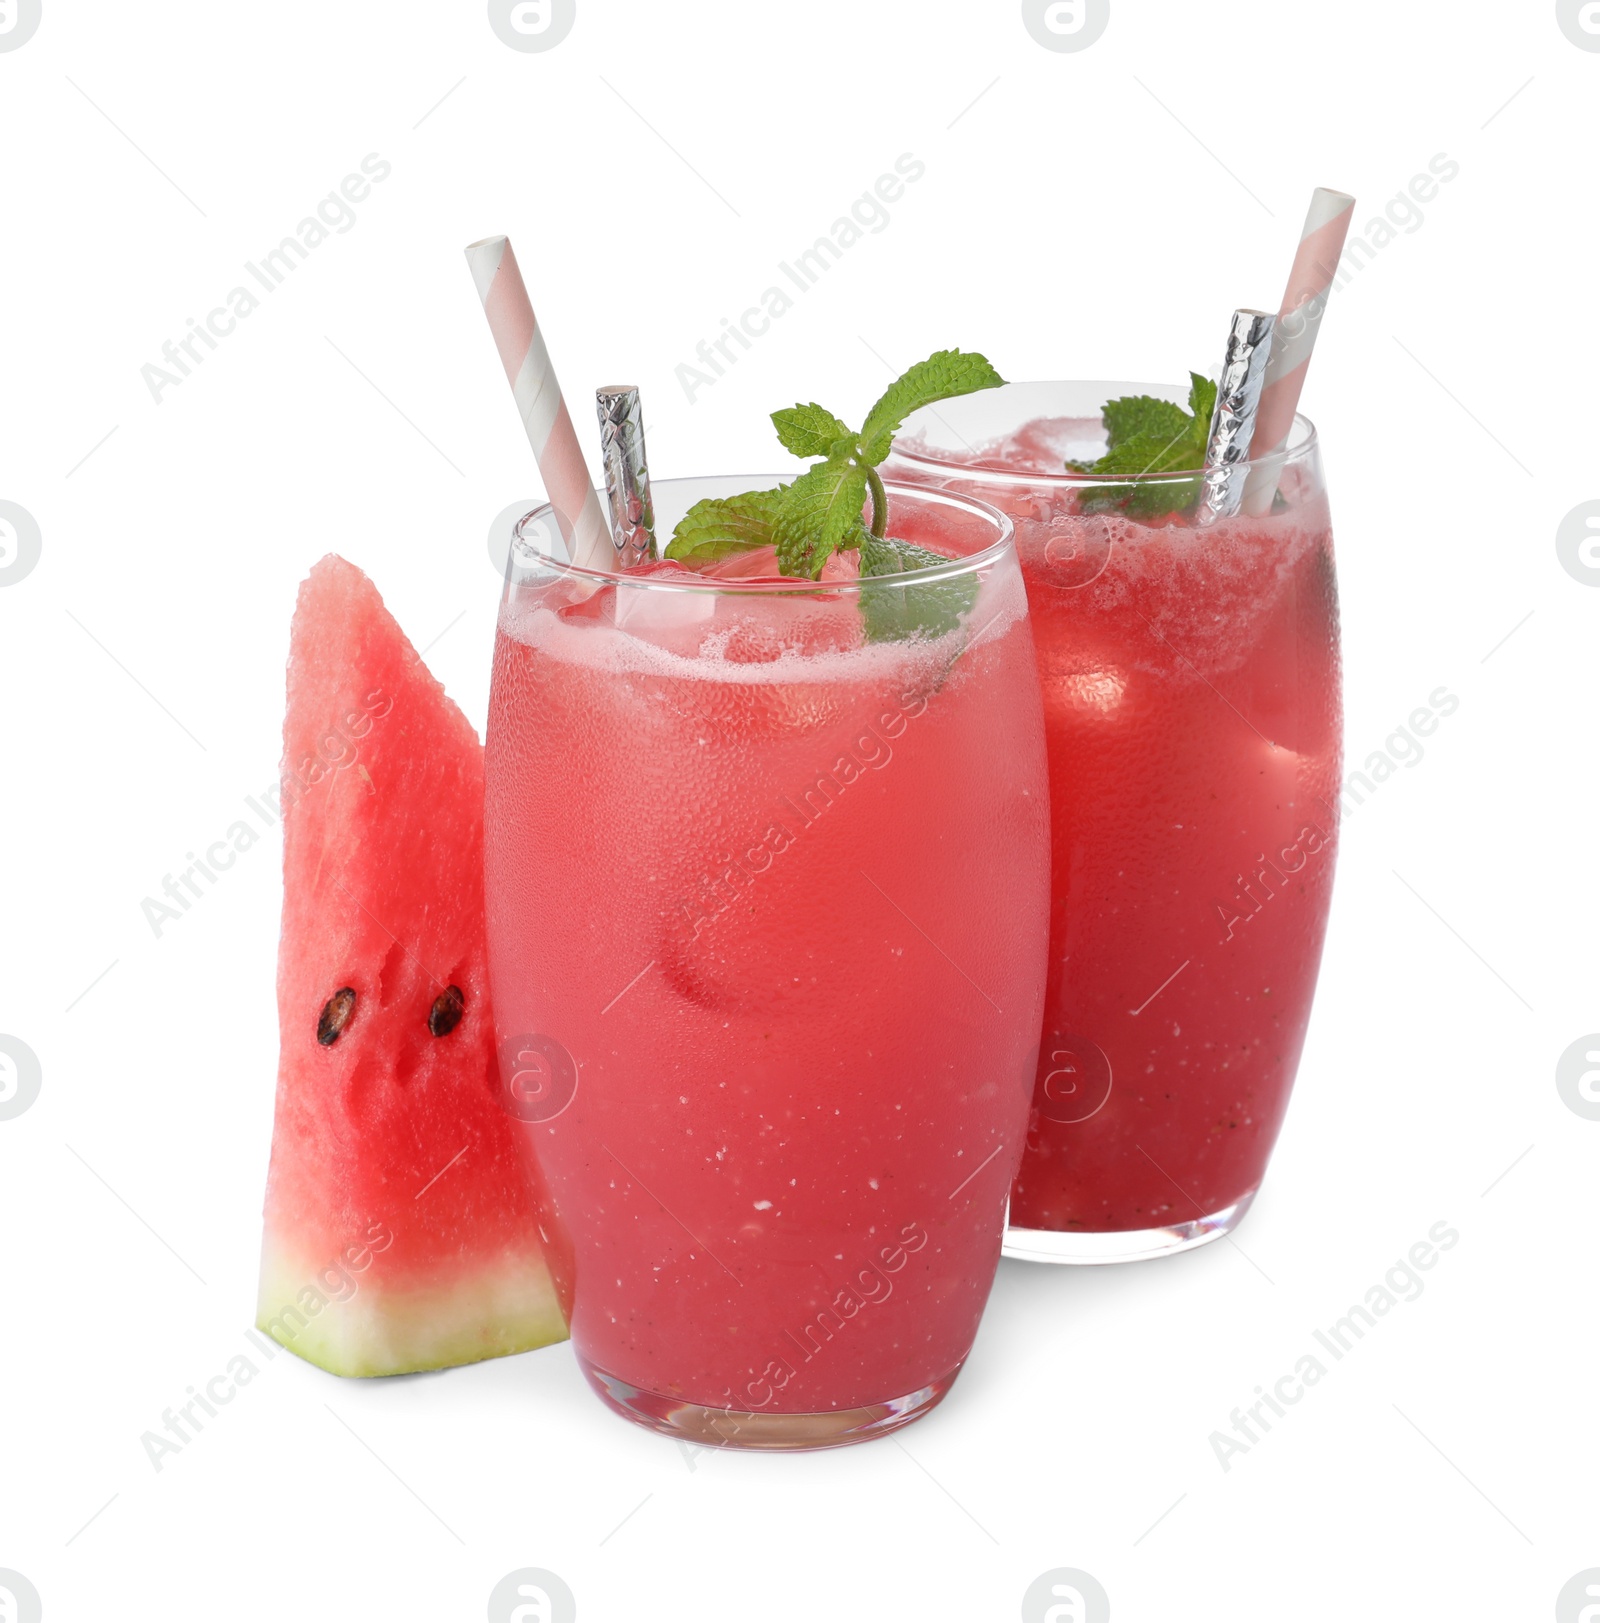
<point x="1192" y="713"/>
<point x="767" y="886"/>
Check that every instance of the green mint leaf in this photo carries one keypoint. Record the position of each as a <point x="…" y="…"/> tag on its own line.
<point x="809" y="430"/>
<point x="818" y="510"/>
<point x="1147" y="438"/>
<point x="1138" y="414"/>
<point x="943" y="375"/>
<point x="1154" y="499"/>
<point x="1148" y="454"/>
<point x="891" y="612"/>
<point x="1202" y="405"/>
<point x="720" y="525"/>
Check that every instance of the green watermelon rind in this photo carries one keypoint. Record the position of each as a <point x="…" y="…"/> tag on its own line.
<point x="493" y="1313"/>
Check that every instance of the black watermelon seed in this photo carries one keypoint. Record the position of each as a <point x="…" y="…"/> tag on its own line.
<point x="335" y="1016"/>
<point x="445" y="1015"/>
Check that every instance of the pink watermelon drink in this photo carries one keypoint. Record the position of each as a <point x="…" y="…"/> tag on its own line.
<point x="767" y="872"/>
<point x="1192" y="712"/>
<point x="403" y="1224"/>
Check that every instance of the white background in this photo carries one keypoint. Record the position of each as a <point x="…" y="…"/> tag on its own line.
<point x="1091" y="214"/>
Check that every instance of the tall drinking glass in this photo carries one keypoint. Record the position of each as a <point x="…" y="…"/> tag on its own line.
<point x="1192" y="714"/>
<point x="768" y="872"/>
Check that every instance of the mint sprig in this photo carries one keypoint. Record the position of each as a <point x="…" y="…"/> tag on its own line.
<point x="1145" y="438"/>
<point x="820" y="512"/>
<point x="1138" y="414"/>
<point x="944" y="375"/>
<point x="809" y="430"/>
<point x="892" y="613"/>
<point x="817" y="512"/>
<point x="721" y="525"/>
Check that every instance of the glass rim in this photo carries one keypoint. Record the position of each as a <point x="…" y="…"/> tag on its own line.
<point x="1303" y="438"/>
<point x="951" y="569"/>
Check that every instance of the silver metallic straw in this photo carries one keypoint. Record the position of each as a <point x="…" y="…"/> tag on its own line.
<point x="1233" y="425"/>
<point x="633" y="517"/>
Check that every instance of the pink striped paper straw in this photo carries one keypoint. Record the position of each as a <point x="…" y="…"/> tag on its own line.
<point x="1295" y="336"/>
<point x="538" y="396"/>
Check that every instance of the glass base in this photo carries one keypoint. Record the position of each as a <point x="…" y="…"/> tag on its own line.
<point x="1123" y="1245"/>
<point x="765" y="1430"/>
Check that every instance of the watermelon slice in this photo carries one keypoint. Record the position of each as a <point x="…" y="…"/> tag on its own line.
<point x="403" y="1220"/>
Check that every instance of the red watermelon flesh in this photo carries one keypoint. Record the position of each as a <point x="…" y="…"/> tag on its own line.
<point x="403" y="1220"/>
